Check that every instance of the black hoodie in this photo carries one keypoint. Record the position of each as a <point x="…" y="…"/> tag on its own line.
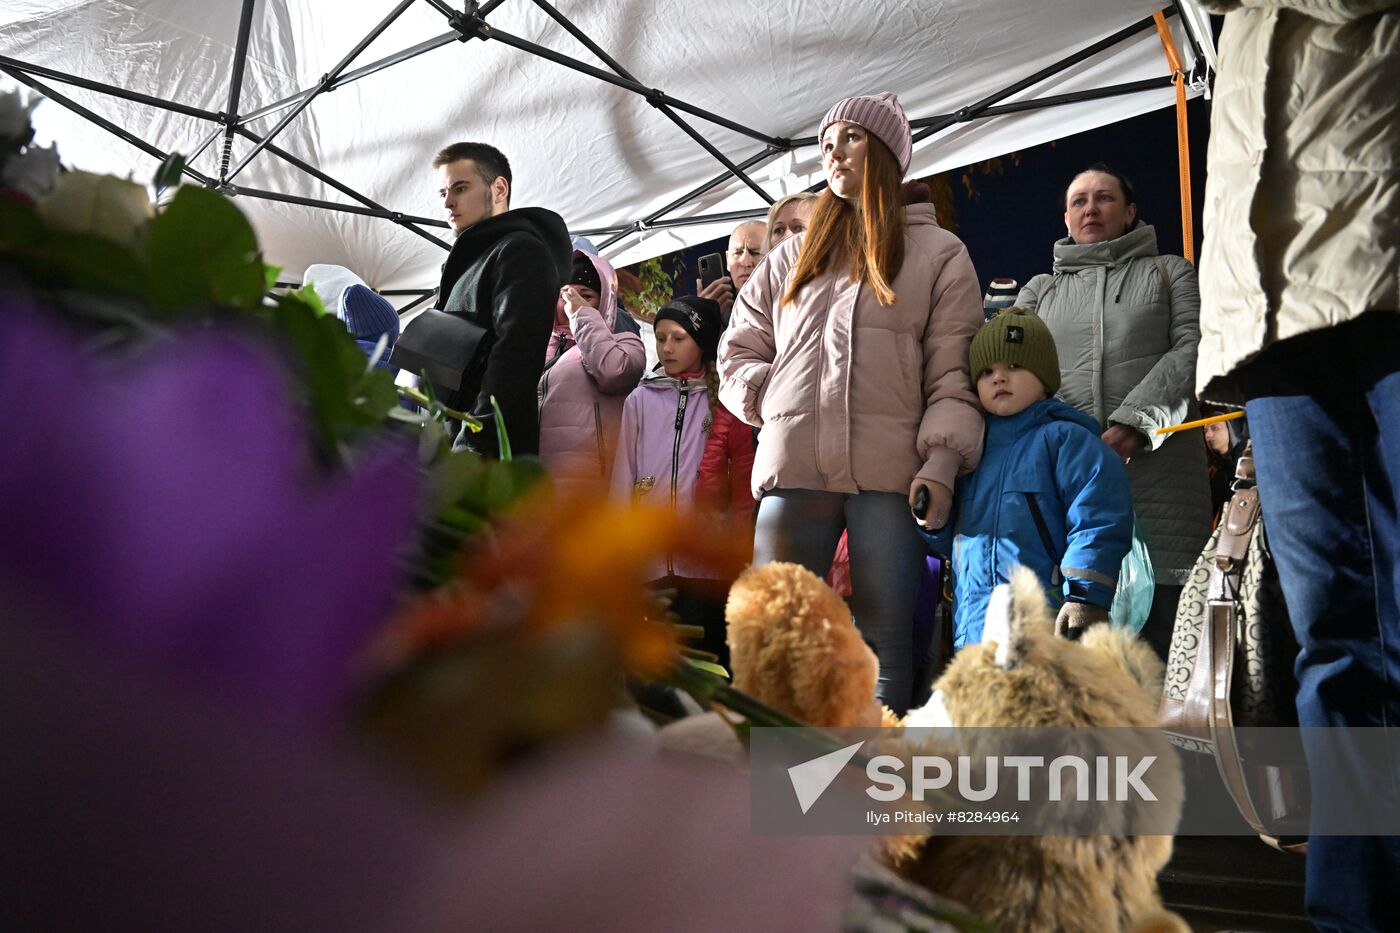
<point x="504" y="274"/>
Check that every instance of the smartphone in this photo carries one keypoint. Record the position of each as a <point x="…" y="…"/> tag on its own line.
<point x="711" y="269"/>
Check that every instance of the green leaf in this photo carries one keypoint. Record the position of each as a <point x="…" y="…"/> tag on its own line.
<point x="308" y="295"/>
<point x="270" y="275"/>
<point x="709" y="668"/>
<point x="87" y="263"/>
<point x="201" y="251"/>
<point x="169" y="173"/>
<point x="374" y="392"/>
<point x="502" y="439"/>
<point x="331" y="368"/>
<point x="19" y="223"/>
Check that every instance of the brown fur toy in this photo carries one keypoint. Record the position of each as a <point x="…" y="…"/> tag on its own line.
<point x="794" y="646"/>
<point x="1022" y="675"/>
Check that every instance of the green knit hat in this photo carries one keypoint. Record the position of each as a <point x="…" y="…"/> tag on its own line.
<point x="1017" y="335"/>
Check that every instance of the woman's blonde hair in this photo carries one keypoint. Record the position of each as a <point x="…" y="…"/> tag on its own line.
<point x="870" y="240"/>
<point x="778" y="205"/>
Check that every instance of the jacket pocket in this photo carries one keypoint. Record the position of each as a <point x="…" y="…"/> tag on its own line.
<point x="1043" y="530"/>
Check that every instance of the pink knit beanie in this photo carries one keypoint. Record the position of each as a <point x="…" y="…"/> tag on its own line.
<point x="879" y="114"/>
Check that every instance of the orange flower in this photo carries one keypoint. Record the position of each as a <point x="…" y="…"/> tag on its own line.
<point x="581" y="562"/>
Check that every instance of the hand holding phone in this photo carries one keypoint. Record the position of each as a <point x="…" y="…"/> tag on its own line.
<point x="711" y="269"/>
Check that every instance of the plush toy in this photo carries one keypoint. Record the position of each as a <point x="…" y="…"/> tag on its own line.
<point x="1022" y="675"/>
<point x="794" y="645"/>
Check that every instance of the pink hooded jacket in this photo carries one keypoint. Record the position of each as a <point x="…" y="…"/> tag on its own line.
<point x="588" y="374"/>
<point x="852" y="395"/>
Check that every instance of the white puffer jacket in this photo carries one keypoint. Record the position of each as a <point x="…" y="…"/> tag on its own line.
<point x="1302" y="212"/>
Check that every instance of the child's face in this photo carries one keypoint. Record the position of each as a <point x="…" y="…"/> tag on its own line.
<point x="677" y="350"/>
<point x="1007" y="389"/>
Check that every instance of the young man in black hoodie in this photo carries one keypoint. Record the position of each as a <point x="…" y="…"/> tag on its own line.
<point x="504" y="274"/>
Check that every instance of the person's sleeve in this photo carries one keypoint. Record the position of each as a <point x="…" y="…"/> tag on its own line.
<point x="748" y="345"/>
<point x="614" y="360"/>
<point x="950" y="433"/>
<point x="709" y="486"/>
<point x="524" y="291"/>
<point x="1029" y="295"/>
<point x="624" y="472"/>
<point x="1165" y="394"/>
<point x="1329" y="11"/>
<point x="741" y="453"/>
<point x="1099" y="525"/>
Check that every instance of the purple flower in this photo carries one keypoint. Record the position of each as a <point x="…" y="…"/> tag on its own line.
<point x="169" y="506"/>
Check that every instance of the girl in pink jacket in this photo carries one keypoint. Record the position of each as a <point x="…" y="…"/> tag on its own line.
<point x="590" y="366"/>
<point x="665" y="425"/>
<point x="848" y="346"/>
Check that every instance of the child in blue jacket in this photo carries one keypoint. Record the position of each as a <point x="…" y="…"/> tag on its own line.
<point x="1048" y="494"/>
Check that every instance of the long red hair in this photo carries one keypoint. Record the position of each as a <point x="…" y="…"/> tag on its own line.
<point x="870" y="239"/>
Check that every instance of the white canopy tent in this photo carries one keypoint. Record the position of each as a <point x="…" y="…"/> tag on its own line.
<point x="649" y="125"/>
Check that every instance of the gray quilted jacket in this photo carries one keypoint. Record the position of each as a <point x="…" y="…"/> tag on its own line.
<point x="1125" y="327"/>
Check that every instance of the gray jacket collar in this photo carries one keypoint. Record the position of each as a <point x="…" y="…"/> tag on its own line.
<point x="1074" y="257"/>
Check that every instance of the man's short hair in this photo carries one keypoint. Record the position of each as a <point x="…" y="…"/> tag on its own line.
<point x="490" y="162"/>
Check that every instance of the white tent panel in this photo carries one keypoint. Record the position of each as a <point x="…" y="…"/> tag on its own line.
<point x="600" y="155"/>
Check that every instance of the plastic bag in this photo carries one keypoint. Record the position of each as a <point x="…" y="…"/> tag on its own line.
<point x="1133" y="599"/>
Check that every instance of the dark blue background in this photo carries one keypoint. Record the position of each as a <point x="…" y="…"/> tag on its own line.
<point x="1013" y="220"/>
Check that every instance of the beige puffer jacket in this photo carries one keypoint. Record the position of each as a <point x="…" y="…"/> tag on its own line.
<point x="1124" y="321"/>
<point x="852" y="395"/>
<point x="1302" y="212"/>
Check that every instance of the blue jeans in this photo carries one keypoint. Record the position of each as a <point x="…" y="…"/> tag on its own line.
<point x="803" y="526"/>
<point x="1324" y="413"/>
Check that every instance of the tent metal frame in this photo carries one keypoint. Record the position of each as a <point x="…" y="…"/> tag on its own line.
<point x="469" y="23"/>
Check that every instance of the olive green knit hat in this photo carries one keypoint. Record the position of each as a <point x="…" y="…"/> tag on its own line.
<point x="1017" y="335"/>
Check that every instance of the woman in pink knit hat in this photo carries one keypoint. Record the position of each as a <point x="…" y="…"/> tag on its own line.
<point x="849" y="347"/>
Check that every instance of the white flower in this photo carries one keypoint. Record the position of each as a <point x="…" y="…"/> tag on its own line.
<point x="33" y="172"/>
<point x="103" y="205"/>
<point x="14" y="114"/>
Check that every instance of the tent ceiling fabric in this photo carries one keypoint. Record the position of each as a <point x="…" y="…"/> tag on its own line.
<point x="602" y="156"/>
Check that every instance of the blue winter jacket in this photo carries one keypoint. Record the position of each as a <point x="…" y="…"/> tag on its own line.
<point x="1048" y="494"/>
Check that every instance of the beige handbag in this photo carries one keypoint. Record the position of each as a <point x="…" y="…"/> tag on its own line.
<point x="1231" y="664"/>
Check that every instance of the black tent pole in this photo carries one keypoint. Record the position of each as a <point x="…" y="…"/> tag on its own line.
<point x="471" y="26"/>
<point x="239" y="191"/>
<point x="364" y="71"/>
<point x="101" y="88"/>
<point x="235" y="89"/>
<point x="350" y="76"/>
<point x="406" y="221"/>
<point x="939" y="124"/>
<point x="106" y="124"/>
<point x="305" y="102"/>
<point x="1196" y="49"/>
<point x="712" y="183"/>
<point x="689" y="130"/>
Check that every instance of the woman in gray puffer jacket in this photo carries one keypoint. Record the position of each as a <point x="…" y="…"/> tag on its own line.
<point x="1125" y="321"/>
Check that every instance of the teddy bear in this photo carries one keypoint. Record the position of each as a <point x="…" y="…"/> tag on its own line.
<point x="794" y="646"/>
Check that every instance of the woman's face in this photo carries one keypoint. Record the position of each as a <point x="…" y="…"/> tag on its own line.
<point x="843" y="157"/>
<point x="1218" y="437"/>
<point x="792" y="219"/>
<point x="1095" y="208"/>
<point x="582" y="294"/>
<point x="677" y="350"/>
